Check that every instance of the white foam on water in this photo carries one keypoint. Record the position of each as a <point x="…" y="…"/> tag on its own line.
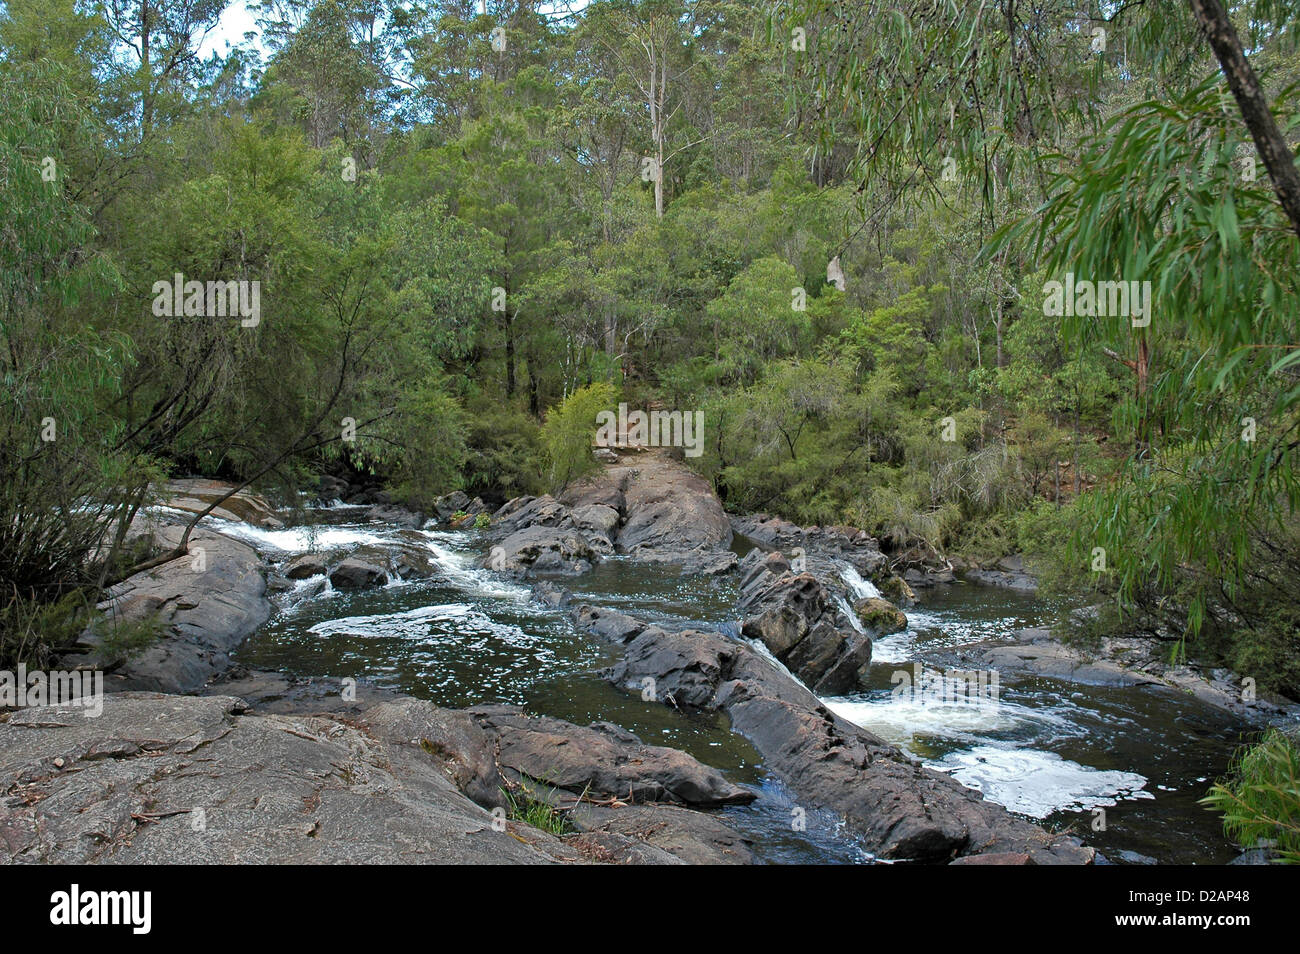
<point x="1037" y="783"/>
<point x="412" y="624"/>
<point x="461" y="569"/>
<point x="897" y="648"/>
<point x="303" y="539"/>
<point x="900" y="719"/>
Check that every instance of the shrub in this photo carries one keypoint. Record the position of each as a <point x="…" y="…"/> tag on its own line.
<point x="569" y="429"/>
<point x="1260" y="798"/>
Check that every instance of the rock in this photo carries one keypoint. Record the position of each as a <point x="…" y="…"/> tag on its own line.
<point x="658" y="511"/>
<point x="357" y="573"/>
<point x="902" y="809"/>
<point x="410" y="559"/>
<point x="191" y="780"/>
<point x="668" y="512"/>
<point x="693" y="837"/>
<point x="543" y="549"/>
<point x="608" y="624"/>
<point x="1019" y="581"/>
<point x="194" y="495"/>
<point x="524" y="513"/>
<point x="880" y="616"/>
<point x="603" y="761"/>
<point x="449" y="504"/>
<point x="995" y="858"/>
<point x="800" y="621"/>
<point x="599" y="523"/>
<point x="330" y="489"/>
<point x="395" y="516"/>
<point x="306" y="565"/>
<point x="769" y="531"/>
<point x="895" y="589"/>
<point x="454" y="738"/>
<point x="206" y="604"/>
<point x="1255" y="856"/>
<point x="549" y="594"/>
<point x="671" y="510"/>
<point x="1052" y="659"/>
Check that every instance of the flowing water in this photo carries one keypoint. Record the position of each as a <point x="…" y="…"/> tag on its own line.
<point x="1057" y="752"/>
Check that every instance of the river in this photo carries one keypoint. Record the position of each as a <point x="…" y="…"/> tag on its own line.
<point x="1064" y="754"/>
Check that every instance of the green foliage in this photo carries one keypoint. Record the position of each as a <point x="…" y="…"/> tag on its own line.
<point x="568" y="432"/>
<point x="1260" y="798"/>
<point x="524" y="806"/>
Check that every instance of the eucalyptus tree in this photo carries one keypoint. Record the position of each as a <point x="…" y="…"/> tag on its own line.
<point x="1115" y="142"/>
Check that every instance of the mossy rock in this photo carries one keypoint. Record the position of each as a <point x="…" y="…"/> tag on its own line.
<point x="895" y="589"/>
<point x="880" y="616"/>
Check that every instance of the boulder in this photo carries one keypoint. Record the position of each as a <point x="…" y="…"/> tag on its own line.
<point x="306" y="565"/>
<point x="543" y="549"/>
<point x="205" y="603"/>
<point x="360" y="571"/>
<point x="194" y="495"/>
<point x="880" y="616"/>
<point x="802" y="623"/>
<point x="599" y="523"/>
<point x="449" y="504"/>
<point x="603" y="761"/>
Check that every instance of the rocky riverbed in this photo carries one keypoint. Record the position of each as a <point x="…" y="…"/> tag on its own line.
<point x="282" y="767"/>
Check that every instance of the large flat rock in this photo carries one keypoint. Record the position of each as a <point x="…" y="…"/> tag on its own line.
<point x="163" y="779"/>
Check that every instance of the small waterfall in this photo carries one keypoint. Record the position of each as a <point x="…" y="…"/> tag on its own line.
<point x="859" y="588"/>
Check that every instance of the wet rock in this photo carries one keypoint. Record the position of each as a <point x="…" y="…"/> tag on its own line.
<point x="1008" y="572"/>
<point x="880" y="616"/>
<point x="608" y="624"/>
<point x="306" y="565"/>
<point x="603" y="761"/>
<point x="194" y="495"/>
<point x="800" y="621"/>
<point x="543" y="549"/>
<point x="1054" y="660"/>
<point x="359" y="572"/>
<point x="395" y="516"/>
<point x="548" y="594"/>
<point x="895" y="589"/>
<point x="902" y="809"/>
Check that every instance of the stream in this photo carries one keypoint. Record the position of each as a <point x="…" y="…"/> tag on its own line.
<point x="1057" y="752"/>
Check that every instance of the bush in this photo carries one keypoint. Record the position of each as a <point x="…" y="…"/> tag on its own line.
<point x="568" y="432"/>
<point x="1260" y="798"/>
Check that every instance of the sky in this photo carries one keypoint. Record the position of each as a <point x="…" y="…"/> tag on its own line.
<point x="230" y="30"/>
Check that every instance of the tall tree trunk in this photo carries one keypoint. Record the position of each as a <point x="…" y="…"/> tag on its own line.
<point x="146" y="72"/>
<point x="1272" y="147"/>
